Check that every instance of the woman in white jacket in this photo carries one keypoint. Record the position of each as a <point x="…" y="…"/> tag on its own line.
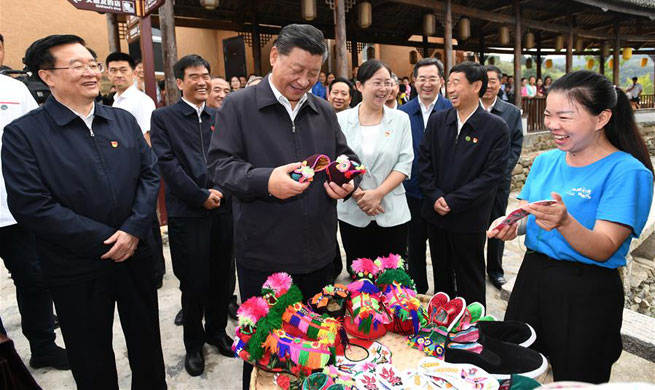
<point x="373" y="222"/>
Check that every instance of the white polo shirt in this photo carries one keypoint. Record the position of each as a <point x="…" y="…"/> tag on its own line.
<point x="138" y="104"/>
<point x="15" y="101"/>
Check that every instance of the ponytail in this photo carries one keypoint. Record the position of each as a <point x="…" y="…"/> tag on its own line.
<point x="596" y="94"/>
<point x="623" y="132"/>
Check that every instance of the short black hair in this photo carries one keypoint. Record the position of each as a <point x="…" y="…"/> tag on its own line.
<point x="427" y="62"/>
<point x="2" y="39"/>
<point x="494" y="68"/>
<point x="302" y="36"/>
<point x="368" y="69"/>
<point x="189" y="61"/>
<point x="635" y="78"/>
<point x="93" y="53"/>
<point x="161" y="84"/>
<point x="351" y="88"/>
<point x="119" y="56"/>
<point x="38" y="55"/>
<point x="473" y="72"/>
<point x="405" y="78"/>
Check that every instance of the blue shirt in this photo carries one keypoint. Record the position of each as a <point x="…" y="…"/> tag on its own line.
<point x="319" y="90"/>
<point x="616" y="188"/>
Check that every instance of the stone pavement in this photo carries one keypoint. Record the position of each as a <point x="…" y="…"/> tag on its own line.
<point x="224" y="373"/>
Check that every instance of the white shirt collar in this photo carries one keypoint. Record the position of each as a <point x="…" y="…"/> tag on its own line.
<point x="491" y="106"/>
<point x="460" y="123"/>
<point x="430" y="106"/>
<point x="198" y="109"/>
<point x="88" y="119"/>
<point x="285" y="102"/>
<point x="126" y="94"/>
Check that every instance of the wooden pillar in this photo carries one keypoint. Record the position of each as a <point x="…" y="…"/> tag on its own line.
<point x="482" y="48"/>
<point x="517" y="53"/>
<point x="538" y="36"/>
<point x="148" y="58"/>
<point x="448" y="40"/>
<point x="426" y="49"/>
<point x="601" y="64"/>
<point x="569" y="45"/>
<point x="340" y="38"/>
<point x="112" y="33"/>
<point x="256" y="44"/>
<point x="169" y="48"/>
<point x="354" y="55"/>
<point x="617" y="50"/>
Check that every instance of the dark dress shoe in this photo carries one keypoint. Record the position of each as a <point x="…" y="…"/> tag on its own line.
<point x="497" y="281"/>
<point x="194" y="363"/>
<point x="232" y="308"/>
<point x="224" y="344"/>
<point x="179" y="318"/>
<point x="57" y="359"/>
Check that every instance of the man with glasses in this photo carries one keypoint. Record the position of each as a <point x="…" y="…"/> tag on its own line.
<point x="199" y="216"/>
<point x="81" y="177"/>
<point x="428" y="73"/>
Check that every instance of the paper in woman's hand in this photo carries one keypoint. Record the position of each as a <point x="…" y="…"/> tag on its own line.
<point x="519" y="213"/>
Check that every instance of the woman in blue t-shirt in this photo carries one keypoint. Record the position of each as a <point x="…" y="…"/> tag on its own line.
<point x="601" y="177"/>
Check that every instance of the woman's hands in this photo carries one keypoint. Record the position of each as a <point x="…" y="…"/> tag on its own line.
<point x="507" y="233"/>
<point x="550" y="217"/>
<point x="369" y="201"/>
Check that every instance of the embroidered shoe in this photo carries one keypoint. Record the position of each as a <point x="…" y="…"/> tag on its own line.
<point x="342" y="170"/>
<point x="472" y="314"/>
<point x="311" y="165"/>
<point x="443" y="311"/>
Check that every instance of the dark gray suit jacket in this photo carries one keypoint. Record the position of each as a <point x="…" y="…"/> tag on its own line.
<point x="512" y="116"/>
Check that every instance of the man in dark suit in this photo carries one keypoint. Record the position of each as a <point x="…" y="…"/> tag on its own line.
<point x="428" y="73"/>
<point x="462" y="160"/>
<point x="199" y="220"/>
<point x="82" y="178"/>
<point x="492" y="103"/>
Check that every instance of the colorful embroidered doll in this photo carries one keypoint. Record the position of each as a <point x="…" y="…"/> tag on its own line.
<point x="342" y="170"/>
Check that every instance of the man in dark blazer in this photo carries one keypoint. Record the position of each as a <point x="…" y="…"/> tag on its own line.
<point x="428" y="74"/>
<point x="463" y="157"/>
<point x="262" y="134"/>
<point x="82" y="178"/>
<point x="199" y="218"/>
<point x="492" y="103"/>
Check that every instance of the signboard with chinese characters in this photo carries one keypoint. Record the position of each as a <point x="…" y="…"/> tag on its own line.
<point x="124" y="7"/>
<point x="150" y="6"/>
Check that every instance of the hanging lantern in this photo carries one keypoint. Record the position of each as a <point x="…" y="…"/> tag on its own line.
<point x="528" y="63"/>
<point x="549" y="63"/>
<point x="578" y="45"/>
<point x="492" y="61"/>
<point x="464" y="29"/>
<point x="308" y="9"/>
<point x="627" y="53"/>
<point x="209" y="4"/>
<point x="590" y="63"/>
<point x="605" y="49"/>
<point x="413" y="57"/>
<point x="559" y="42"/>
<point x="365" y="14"/>
<point x="611" y="63"/>
<point x="503" y="34"/>
<point x="644" y="62"/>
<point x="529" y="40"/>
<point x="429" y="24"/>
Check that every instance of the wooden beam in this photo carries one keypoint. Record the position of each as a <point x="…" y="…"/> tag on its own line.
<point x="517" y="53"/>
<point x="256" y="42"/>
<point x="617" y="7"/>
<point x="169" y="50"/>
<point x="482" y="48"/>
<point x="538" y="39"/>
<point x="148" y="58"/>
<point x="569" y="45"/>
<point x="617" y="49"/>
<point x="340" y="38"/>
<point x="507" y="19"/>
<point x="354" y="56"/>
<point x="426" y="48"/>
<point x="448" y="39"/>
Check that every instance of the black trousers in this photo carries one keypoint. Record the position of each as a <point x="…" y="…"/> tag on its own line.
<point x="250" y="285"/>
<point x="458" y="263"/>
<point x="576" y="310"/>
<point x="417" y="238"/>
<point x="86" y="317"/>
<point x="203" y="250"/>
<point x="158" y="250"/>
<point x="18" y="250"/>
<point x="496" y="247"/>
<point x="372" y="241"/>
<point x="337" y="262"/>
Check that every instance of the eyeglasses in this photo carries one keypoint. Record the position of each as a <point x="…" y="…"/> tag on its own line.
<point x="425" y="79"/>
<point x="78" y="68"/>
<point x="378" y="84"/>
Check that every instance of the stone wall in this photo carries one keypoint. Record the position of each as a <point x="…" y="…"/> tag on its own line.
<point x="536" y="143"/>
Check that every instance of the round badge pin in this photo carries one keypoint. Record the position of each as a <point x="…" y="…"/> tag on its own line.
<point x="475" y="140"/>
<point x="4" y="107"/>
<point x="468" y="138"/>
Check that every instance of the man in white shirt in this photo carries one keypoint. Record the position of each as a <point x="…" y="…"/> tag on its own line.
<point x="120" y="70"/>
<point x="634" y="92"/>
<point x="17" y="249"/>
<point x="393" y="94"/>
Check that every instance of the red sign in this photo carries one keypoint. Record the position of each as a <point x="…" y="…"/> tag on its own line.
<point x="125" y="7"/>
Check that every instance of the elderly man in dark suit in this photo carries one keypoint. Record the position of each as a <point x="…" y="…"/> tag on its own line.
<point x="512" y="116"/>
